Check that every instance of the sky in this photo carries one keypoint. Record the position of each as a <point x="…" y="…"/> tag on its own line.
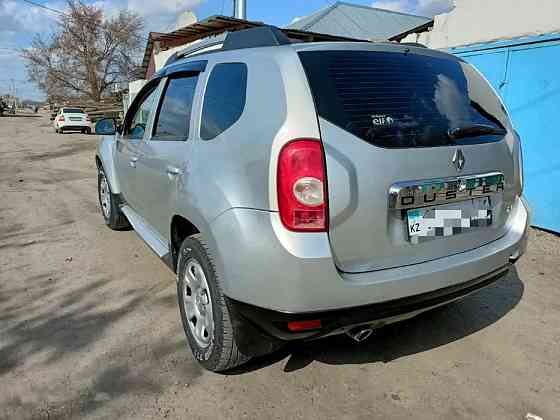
<point x="20" y="21"/>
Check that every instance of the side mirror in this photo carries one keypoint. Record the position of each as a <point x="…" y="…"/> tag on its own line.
<point x="106" y="127"/>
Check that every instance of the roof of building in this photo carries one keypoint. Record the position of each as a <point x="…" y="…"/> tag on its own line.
<point x="359" y="22"/>
<point x="216" y="25"/>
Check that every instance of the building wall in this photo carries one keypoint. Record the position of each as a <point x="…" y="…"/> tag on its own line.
<point x="524" y="73"/>
<point x="475" y="21"/>
<point x="162" y="56"/>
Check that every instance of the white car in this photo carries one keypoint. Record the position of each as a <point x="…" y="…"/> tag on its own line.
<point x="72" y="119"/>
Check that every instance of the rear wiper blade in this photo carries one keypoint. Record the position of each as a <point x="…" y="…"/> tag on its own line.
<point x="474" y="130"/>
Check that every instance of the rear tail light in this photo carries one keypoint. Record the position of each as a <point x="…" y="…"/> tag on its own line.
<point x="301" y="183"/>
<point x="61" y="118"/>
<point x="88" y="119"/>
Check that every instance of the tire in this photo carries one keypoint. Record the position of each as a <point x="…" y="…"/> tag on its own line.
<point x="60" y="131"/>
<point x="88" y="130"/>
<point x="108" y="202"/>
<point x="218" y="351"/>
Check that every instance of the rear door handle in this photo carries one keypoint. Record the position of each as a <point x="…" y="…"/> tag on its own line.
<point x="132" y="161"/>
<point x="173" y="171"/>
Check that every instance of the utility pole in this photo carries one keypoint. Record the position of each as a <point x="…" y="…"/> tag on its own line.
<point x="240" y="9"/>
<point x="13" y="92"/>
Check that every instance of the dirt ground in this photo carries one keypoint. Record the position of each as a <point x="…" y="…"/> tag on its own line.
<point x="89" y="324"/>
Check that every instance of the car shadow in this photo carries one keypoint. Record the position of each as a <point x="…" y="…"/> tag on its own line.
<point x="45" y="321"/>
<point x="425" y="332"/>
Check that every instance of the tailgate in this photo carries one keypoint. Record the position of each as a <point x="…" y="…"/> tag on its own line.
<point x="384" y="119"/>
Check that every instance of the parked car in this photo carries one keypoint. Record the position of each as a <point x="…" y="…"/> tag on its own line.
<point x="72" y="119"/>
<point x="311" y="189"/>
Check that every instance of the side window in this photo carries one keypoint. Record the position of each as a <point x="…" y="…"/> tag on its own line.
<point x="137" y="125"/>
<point x="224" y="99"/>
<point x="173" y="120"/>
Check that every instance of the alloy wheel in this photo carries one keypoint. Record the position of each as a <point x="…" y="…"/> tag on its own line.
<point x="105" y="196"/>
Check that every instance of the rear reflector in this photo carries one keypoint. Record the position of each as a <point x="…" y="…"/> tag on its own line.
<point x="313" y="324"/>
<point x="301" y="184"/>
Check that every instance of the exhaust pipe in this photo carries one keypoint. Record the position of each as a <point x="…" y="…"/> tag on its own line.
<point x="359" y="334"/>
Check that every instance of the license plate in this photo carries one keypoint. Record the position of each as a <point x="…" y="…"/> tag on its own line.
<point x="442" y="221"/>
<point x="75" y="119"/>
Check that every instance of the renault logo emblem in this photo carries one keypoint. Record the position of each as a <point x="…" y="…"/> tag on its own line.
<point x="458" y="160"/>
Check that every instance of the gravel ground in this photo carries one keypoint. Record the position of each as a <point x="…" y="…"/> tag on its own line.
<point x="89" y="325"/>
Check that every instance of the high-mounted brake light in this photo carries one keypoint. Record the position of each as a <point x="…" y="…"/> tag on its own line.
<point x="301" y="182"/>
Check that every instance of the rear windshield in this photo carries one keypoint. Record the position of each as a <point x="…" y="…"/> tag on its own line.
<point x="402" y="100"/>
<point x="72" y="111"/>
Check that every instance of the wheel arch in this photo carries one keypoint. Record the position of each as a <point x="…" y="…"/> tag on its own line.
<point x="104" y="158"/>
<point x="181" y="228"/>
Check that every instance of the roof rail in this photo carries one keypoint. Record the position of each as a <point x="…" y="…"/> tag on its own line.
<point x="197" y="48"/>
<point x="260" y="36"/>
<point x="413" y="44"/>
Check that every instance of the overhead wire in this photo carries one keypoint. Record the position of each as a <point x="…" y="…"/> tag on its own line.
<point x="61" y="13"/>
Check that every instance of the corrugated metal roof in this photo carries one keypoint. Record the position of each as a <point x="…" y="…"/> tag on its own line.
<point x="215" y="25"/>
<point x="357" y="21"/>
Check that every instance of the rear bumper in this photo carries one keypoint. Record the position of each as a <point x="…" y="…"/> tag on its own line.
<point x="75" y="127"/>
<point x="262" y="264"/>
<point x="274" y="324"/>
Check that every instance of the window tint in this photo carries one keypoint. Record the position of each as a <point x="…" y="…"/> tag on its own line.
<point x="72" y="111"/>
<point x="136" y="127"/>
<point x="402" y="100"/>
<point x="224" y="99"/>
<point x="175" y="113"/>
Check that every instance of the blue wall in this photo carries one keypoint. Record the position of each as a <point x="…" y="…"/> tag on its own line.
<point x="526" y="74"/>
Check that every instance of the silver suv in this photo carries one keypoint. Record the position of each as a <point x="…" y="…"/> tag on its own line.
<point x="301" y="190"/>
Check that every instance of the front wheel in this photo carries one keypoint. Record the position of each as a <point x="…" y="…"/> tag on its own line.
<point x="114" y="217"/>
<point x="204" y="312"/>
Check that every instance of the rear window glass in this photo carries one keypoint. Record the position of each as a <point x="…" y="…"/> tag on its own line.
<point x="72" y="111"/>
<point x="224" y="99"/>
<point x="174" y="117"/>
<point x="402" y="100"/>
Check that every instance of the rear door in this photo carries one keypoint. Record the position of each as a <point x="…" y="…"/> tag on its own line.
<point x="384" y="118"/>
<point x="167" y="156"/>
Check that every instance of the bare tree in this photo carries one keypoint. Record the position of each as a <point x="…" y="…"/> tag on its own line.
<point x="87" y="55"/>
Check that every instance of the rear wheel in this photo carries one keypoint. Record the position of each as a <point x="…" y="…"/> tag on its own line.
<point x="114" y="218"/>
<point x="205" y="315"/>
<point x="60" y="131"/>
<point x="88" y="130"/>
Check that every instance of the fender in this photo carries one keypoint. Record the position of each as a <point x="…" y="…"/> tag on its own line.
<point x="106" y="155"/>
